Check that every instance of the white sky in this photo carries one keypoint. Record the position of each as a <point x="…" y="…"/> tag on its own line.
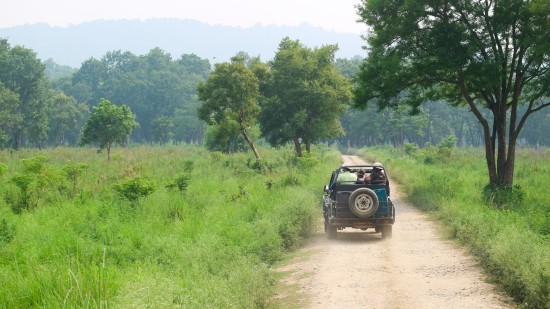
<point x="335" y="15"/>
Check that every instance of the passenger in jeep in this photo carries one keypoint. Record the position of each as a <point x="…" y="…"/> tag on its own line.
<point x="375" y="175"/>
<point x="346" y="176"/>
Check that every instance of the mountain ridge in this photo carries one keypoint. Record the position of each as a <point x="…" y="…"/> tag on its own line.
<point x="73" y="44"/>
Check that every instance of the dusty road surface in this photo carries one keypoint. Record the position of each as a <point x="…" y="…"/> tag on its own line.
<point x="417" y="268"/>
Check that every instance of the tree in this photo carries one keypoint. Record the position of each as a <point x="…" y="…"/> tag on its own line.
<point x="305" y="97"/>
<point x="108" y="124"/>
<point x="163" y="129"/>
<point x="23" y="74"/>
<point x="492" y="55"/>
<point x="226" y="138"/>
<point x="67" y="118"/>
<point x="231" y="94"/>
<point x="154" y="84"/>
<point x="9" y="118"/>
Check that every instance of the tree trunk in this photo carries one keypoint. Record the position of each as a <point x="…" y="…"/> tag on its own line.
<point x="500" y="122"/>
<point x="251" y="144"/>
<point x="17" y="141"/>
<point x="298" y="146"/>
<point x="510" y="164"/>
<point x="109" y="152"/>
<point x="487" y="136"/>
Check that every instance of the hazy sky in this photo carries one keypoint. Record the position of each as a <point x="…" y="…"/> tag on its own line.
<point x="336" y="15"/>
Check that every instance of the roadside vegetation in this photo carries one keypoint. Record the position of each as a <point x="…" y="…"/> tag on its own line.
<point x="509" y="230"/>
<point x="154" y="227"/>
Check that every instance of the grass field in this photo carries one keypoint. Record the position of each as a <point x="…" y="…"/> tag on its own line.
<point x="511" y="239"/>
<point x="185" y="228"/>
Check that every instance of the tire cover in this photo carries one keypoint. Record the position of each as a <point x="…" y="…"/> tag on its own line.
<point x="363" y="202"/>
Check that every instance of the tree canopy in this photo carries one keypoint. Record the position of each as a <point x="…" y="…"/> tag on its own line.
<point x="157" y="87"/>
<point x="492" y="55"/>
<point x="22" y="76"/>
<point x="108" y="124"/>
<point x="230" y="94"/>
<point x="305" y="96"/>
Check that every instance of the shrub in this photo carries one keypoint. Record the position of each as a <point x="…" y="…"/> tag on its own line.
<point x="503" y="197"/>
<point x="306" y="163"/>
<point x="7" y="232"/>
<point x="134" y="188"/>
<point x="37" y="183"/>
<point x="429" y="153"/>
<point x="181" y="182"/>
<point x="3" y="169"/>
<point x="290" y="180"/>
<point x="73" y="171"/>
<point x="411" y="149"/>
<point x="259" y="165"/>
<point x="441" y="153"/>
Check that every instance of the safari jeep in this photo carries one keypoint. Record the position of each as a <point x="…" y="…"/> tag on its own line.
<point x="362" y="203"/>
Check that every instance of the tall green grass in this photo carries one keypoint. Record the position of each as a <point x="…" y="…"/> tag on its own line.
<point x="512" y="243"/>
<point x="210" y="246"/>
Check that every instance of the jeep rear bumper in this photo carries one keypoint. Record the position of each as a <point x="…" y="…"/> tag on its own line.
<point x="360" y="223"/>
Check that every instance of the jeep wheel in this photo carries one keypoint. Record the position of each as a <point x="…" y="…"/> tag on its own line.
<point x="386" y="231"/>
<point x="363" y="202"/>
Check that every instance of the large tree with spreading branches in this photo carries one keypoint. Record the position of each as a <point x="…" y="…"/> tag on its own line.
<point x="492" y="56"/>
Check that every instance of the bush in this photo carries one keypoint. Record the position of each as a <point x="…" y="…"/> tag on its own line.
<point x="503" y="197"/>
<point x="37" y="183"/>
<point x="7" y="232"/>
<point x="290" y="180"/>
<point x="306" y="163"/>
<point x="259" y="165"/>
<point x="73" y="171"/>
<point x="134" y="188"/>
<point x="181" y="182"/>
<point x="3" y="169"/>
<point x="411" y="149"/>
<point x="442" y="153"/>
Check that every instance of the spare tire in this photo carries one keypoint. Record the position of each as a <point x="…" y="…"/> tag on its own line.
<point x="363" y="202"/>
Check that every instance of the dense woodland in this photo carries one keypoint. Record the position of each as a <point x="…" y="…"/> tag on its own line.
<point x="43" y="104"/>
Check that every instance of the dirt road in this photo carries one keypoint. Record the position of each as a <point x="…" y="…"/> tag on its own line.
<point x="416" y="268"/>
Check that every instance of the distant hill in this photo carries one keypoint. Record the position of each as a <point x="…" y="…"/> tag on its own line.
<point x="74" y="44"/>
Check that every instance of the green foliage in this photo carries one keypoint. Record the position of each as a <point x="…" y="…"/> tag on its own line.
<point x="225" y="137"/>
<point x="422" y="52"/>
<point x="503" y="197"/>
<point x="134" y="188"/>
<point x="34" y="165"/>
<point x="290" y="180"/>
<point x="443" y="152"/>
<point x="306" y="163"/>
<point x="7" y="232"/>
<point x="66" y="119"/>
<point x="3" y="169"/>
<point x="411" y="149"/>
<point x="510" y="237"/>
<point x="153" y="85"/>
<point x="181" y="182"/>
<point x="260" y="165"/>
<point x="220" y="238"/>
<point x="305" y="96"/>
<point x="73" y="171"/>
<point x="37" y="183"/>
<point x="108" y="124"/>
<point x="163" y="129"/>
<point x="24" y="96"/>
<point x="230" y="99"/>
